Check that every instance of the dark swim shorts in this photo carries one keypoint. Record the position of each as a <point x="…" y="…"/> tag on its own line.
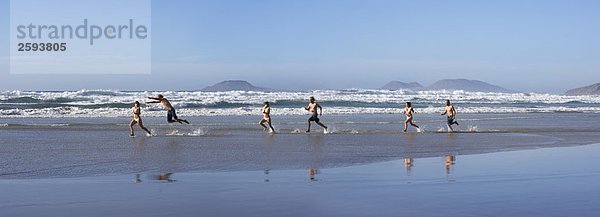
<point x="451" y="120"/>
<point x="314" y="118"/>
<point x="171" y="115"/>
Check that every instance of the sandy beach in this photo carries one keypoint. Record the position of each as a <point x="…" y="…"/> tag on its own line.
<point x="45" y="148"/>
<point x="517" y="81"/>
<point x="227" y="166"/>
<point x="543" y="182"/>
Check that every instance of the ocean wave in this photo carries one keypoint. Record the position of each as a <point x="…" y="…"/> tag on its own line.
<point x="115" y="103"/>
<point x="120" y="112"/>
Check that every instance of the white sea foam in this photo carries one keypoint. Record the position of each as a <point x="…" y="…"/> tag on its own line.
<point x="114" y="103"/>
<point x="192" y="132"/>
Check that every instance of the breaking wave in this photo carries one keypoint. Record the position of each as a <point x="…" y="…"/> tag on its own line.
<point x="114" y="103"/>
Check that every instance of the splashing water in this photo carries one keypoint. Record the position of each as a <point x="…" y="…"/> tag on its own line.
<point x="173" y="133"/>
<point x="197" y="132"/>
<point x="194" y="132"/>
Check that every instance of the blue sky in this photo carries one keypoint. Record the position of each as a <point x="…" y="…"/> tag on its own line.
<point x="545" y="45"/>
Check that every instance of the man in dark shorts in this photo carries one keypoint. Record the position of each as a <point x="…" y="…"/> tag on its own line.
<point x="171" y="114"/>
<point x="312" y="107"/>
<point x="451" y="113"/>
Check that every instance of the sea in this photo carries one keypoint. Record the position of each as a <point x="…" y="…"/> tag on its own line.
<point x="116" y="103"/>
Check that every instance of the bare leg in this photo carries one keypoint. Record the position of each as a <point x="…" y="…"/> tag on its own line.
<point x="320" y="124"/>
<point x="271" y="125"/>
<point x="262" y="123"/>
<point x="308" y="130"/>
<point x="450" y="128"/>
<point x="144" y="128"/>
<point x="182" y="120"/>
<point x="413" y="124"/>
<point x="405" y="125"/>
<point x="131" y="127"/>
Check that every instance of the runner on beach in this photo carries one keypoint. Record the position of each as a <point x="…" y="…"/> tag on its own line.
<point x="409" y="111"/>
<point x="171" y="115"/>
<point x="451" y="112"/>
<point x="137" y="112"/>
<point x="266" y="110"/>
<point x="312" y="107"/>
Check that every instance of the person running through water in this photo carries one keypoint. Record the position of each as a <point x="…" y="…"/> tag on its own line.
<point x="451" y="112"/>
<point x="409" y="111"/>
<point x="312" y="107"/>
<point x="137" y="119"/>
<point x="266" y="110"/>
<point x="171" y="115"/>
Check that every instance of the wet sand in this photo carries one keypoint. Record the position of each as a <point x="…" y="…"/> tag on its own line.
<point x="543" y="182"/>
<point x="495" y="165"/>
<point x="59" y="148"/>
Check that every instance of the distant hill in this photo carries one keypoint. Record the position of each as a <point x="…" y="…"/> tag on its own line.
<point x="232" y="85"/>
<point x="397" y="85"/>
<point x="593" y="89"/>
<point x="466" y="85"/>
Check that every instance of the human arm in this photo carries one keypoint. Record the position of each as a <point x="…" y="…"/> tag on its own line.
<point x="154" y="98"/>
<point x="320" y="109"/>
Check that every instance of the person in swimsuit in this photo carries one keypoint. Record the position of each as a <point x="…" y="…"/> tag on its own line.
<point x="448" y="162"/>
<point x="171" y="114"/>
<point x="312" y="107"/>
<point x="137" y="111"/>
<point x="451" y="112"/>
<point x="266" y="110"/>
<point x="409" y="111"/>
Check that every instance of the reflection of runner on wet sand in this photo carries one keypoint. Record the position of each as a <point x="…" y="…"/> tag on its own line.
<point x="312" y="174"/>
<point x="162" y="177"/>
<point x="159" y="177"/>
<point x="408" y="164"/>
<point x="312" y="107"/>
<point x="448" y="162"/>
<point x="266" y="172"/>
<point x="136" y="178"/>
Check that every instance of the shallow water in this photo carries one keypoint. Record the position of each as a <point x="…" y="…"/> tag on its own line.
<point x="81" y="147"/>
